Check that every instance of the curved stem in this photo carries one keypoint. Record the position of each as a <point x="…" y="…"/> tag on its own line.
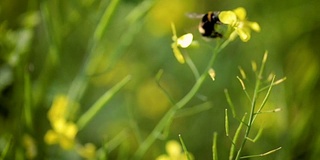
<point x="168" y="117"/>
<point x="251" y="118"/>
<point x="253" y="104"/>
<point x="192" y="66"/>
<point x="80" y="83"/>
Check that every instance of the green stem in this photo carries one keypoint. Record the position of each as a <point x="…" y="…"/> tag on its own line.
<point x="100" y="103"/>
<point x="236" y="136"/>
<point x="80" y="83"/>
<point x="265" y="99"/>
<point x="6" y="147"/>
<point x="186" y="152"/>
<point x="102" y="26"/>
<point x="27" y="101"/>
<point x="167" y="118"/>
<point x="251" y="118"/>
<point x="214" y="146"/>
<point x="192" y="66"/>
<point x="261" y="155"/>
<point x="253" y="105"/>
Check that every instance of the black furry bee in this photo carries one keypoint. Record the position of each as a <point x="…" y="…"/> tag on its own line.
<point x="208" y="23"/>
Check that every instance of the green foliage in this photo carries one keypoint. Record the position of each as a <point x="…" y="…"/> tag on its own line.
<point x="78" y="80"/>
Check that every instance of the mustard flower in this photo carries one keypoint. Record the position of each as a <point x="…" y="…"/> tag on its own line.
<point x="62" y="132"/>
<point x="237" y="20"/>
<point x="87" y="151"/>
<point x="174" y="152"/>
<point x="180" y="42"/>
<point x="29" y="144"/>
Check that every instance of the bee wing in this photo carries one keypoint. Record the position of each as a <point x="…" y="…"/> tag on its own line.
<point x="194" y="15"/>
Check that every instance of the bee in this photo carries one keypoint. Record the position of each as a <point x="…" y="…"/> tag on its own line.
<point x="208" y="23"/>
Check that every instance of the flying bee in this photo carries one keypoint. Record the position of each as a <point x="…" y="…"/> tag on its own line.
<point x="208" y="23"/>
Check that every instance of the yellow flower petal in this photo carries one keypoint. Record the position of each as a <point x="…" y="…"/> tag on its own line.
<point x="185" y="40"/>
<point x="70" y="130"/>
<point x="163" y="157"/>
<point x="173" y="148"/>
<point x="29" y="146"/>
<point x="254" y="26"/>
<point x="177" y="53"/>
<point x="51" y="137"/>
<point x="174" y="32"/>
<point x="233" y="35"/>
<point x="237" y="20"/>
<point x="228" y="17"/>
<point x="243" y="34"/>
<point x="241" y="13"/>
<point x="87" y="151"/>
<point x="66" y="143"/>
<point x="59" y="125"/>
<point x="58" y="108"/>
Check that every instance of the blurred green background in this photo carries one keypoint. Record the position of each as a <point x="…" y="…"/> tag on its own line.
<point x="45" y="45"/>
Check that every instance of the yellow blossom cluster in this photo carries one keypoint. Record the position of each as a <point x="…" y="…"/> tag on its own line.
<point x="63" y="132"/>
<point x="174" y="152"/>
<point x="237" y="20"/>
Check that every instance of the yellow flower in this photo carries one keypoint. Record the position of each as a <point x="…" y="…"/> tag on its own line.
<point x="29" y="144"/>
<point x="182" y="42"/>
<point x="185" y="40"/>
<point x="237" y="20"/>
<point x="62" y="132"/>
<point x="58" y="108"/>
<point x="174" y="152"/>
<point x="88" y="151"/>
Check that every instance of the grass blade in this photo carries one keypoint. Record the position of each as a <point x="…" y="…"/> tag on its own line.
<point x="105" y="19"/>
<point x="97" y="106"/>
<point x="6" y="148"/>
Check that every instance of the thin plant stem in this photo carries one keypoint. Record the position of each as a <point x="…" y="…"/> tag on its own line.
<point x="102" y="26"/>
<point x="265" y="99"/>
<point x="193" y="110"/>
<point x="214" y="146"/>
<point x="167" y="118"/>
<point x="27" y="101"/>
<point x="192" y="66"/>
<point x="235" y="138"/>
<point x="158" y="77"/>
<point x="115" y="141"/>
<point x="94" y="109"/>
<point x="253" y="105"/>
<point x="184" y="148"/>
<point x="244" y="88"/>
<point x="6" y="148"/>
<point x="226" y="122"/>
<point x="80" y="83"/>
<point x="261" y="155"/>
<point x="258" y="135"/>
<point x="230" y="103"/>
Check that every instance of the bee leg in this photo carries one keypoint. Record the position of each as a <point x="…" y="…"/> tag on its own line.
<point x="215" y="35"/>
